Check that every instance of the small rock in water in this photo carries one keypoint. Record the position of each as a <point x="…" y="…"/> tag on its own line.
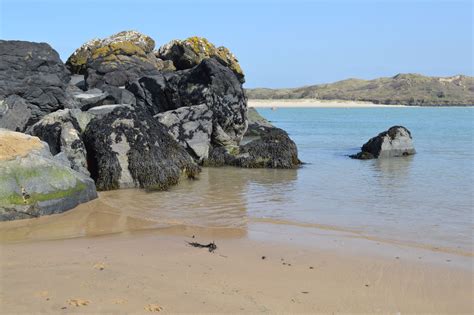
<point x="394" y="142"/>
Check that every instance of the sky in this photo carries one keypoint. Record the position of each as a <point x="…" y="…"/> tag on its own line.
<point x="278" y="43"/>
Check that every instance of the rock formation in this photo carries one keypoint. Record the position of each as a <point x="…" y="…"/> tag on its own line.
<point x="127" y="118"/>
<point x="209" y="84"/>
<point x="127" y="148"/>
<point x="62" y="131"/>
<point x="33" y="83"/>
<point x="263" y="146"/>
<point x="116" y="59"/>
<point x="188" y="53"/>
<point x="394" y="142"/>
<point x="33" y="183"/>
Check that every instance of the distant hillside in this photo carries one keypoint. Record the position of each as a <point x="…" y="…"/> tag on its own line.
<point x="406" y="89"/>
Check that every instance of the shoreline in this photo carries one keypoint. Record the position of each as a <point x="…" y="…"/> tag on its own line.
<point x="317" y="103"/>
<point x="314" y="103"/>
<point x="260" y="270"/>
<point x="262" y="267"/>
<point x="97" y="218"/>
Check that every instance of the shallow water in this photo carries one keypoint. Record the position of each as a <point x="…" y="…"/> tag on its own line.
<point x="426" y="199"/>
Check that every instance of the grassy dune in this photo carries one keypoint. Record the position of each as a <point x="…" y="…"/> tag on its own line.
<point x="405" y="89"/>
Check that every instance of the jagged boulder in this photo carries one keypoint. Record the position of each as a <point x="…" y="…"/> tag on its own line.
<point x="128" y="148"/>
<point x="191" y="127"/>
<point x="62" y="131"/>
<point x="33" y="183"/>
<point x="395" y="142"/>
<point x="33" y="82"/>
<point x="15" y="113"/>
<point x="116" y="59"/>
<point x="208" y="83"/>
<point x="188" y="53"/>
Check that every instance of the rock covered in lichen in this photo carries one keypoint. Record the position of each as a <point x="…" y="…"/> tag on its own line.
<point x="33" y="82"/>
<point x="128" y="148"/>
<point x="33" y="183"/>
<point x="77" y="62"/>
<point x="116" y="59"/>
<point x="190" y="52"/>
<point x="394" y="142"/>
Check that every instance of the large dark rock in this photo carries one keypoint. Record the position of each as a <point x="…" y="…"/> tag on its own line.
<point x="272" y="148"/>
<point x="208" y="83"/>
<point x="128" y="148"/>
<point x="190" y="52"/>
<point x="34" y="72"/>
<point x="394" y="142"/>
<point x="33" y="183"/>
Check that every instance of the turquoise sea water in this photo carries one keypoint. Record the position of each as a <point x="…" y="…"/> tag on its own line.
<point x="427" y="198"/>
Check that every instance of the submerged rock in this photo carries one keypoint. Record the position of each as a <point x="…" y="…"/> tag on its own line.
<point x="128" y="148"/>
<point x="33" y="183"/>
<point x="208" y="83"/>
<point x="36" y="78"/>
<point x="190" y="52"/>
<point x="394" y="142"/>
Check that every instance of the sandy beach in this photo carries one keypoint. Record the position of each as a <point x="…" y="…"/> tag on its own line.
<point x="143" y="268"/>
<point x="309" y="103"/>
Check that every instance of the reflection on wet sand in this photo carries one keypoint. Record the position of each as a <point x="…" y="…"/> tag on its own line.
<point x="218" y="199"/>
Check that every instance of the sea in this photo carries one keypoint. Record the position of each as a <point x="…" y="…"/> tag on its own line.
<point x="424" y="200"/>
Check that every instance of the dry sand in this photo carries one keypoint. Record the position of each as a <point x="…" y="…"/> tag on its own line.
<point x="263" y="268"/>
<point x="308" y="103"/>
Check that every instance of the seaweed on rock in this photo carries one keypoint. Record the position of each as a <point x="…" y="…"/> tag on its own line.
<point x="273" y="149"/>
<point x="128" y="148"/>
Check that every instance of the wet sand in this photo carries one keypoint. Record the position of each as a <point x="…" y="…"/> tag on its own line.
<point x="139" y="266"/>
<point x="308" y="103"/>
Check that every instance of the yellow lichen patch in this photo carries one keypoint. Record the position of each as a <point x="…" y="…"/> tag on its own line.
<point x="14" y="144"/>
<point x="200" y="46"/>
<point x="119" y="48"/>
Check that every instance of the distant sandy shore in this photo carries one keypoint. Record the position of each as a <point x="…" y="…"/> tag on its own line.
<point x="262" y="268"/>
<point x="314" y="103"/>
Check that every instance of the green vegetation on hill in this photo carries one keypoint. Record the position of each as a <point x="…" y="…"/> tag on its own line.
<point x="406" y="89"/>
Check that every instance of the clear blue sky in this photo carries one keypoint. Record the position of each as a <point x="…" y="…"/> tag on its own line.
<point x="279" y="43"/>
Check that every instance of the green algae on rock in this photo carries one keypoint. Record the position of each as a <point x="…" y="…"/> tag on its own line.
<point x="33" y="183"/>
